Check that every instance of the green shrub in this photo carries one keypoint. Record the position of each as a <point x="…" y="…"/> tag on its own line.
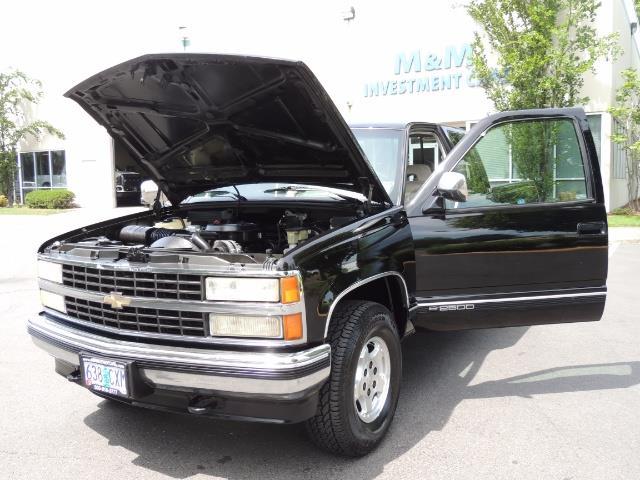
<point x="3" y="201"/>
<point x="622" y="211"/>
<point x="521" y="192"/>
<point x="49" y="199"/>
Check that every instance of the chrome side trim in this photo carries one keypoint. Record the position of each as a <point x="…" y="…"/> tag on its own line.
<point x="179" y="367"/>
<point x="507" y="299"/>
<point x="359" y="283"/>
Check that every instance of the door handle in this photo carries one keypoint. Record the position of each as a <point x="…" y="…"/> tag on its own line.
<point x="592" y="228"/>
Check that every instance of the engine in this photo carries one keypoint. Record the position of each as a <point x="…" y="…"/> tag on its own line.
<point x="224" y="232"/>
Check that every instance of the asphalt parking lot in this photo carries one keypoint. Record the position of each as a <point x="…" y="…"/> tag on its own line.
<point x="549" y="402"/>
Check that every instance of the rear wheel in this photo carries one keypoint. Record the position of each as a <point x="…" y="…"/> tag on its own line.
<point x="358" y="401"/>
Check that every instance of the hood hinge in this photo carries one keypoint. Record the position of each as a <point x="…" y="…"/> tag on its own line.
<point x="157" y="206"/>
<point x="367" y="191"/>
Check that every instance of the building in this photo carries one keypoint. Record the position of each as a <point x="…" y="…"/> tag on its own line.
<point x="380" y="63"/>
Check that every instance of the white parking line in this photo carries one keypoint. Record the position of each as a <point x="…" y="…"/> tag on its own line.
<point x="612" y="249"/>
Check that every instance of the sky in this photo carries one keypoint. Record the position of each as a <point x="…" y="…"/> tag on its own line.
<point x="85" y="37"/>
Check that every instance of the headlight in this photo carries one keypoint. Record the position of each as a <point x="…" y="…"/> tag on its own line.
<point x="53" y="300"/>
<point x="245" y="326"/>
<point x="288" y="327"/>
<point x="253" y="289"/>
<point x="284" y="290"/>
<point x="50" y="271"/>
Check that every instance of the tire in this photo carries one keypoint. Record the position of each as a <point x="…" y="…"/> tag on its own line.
<point x="341" y="425"/>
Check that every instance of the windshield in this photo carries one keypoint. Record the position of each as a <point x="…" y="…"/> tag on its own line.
<point x="274" y="191"/>
<point x="383" y="148"/>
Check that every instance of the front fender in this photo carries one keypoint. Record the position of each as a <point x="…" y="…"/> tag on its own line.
<point x="351" y="260"/>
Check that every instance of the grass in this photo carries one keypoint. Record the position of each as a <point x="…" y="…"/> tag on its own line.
<point x="29" y="211"/>
<point x="624" y="220"/>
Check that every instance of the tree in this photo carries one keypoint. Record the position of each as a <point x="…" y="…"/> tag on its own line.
<point x="543" y="49"/>
<point x="627" y="114"/>
<point x="17" y="92"/>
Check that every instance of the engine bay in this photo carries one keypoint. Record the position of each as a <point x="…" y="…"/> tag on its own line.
<point x="221" y="232"/>
<point x="260" y="232"/>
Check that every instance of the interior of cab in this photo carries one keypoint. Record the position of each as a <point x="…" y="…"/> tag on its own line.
<point x="425" y="153"/>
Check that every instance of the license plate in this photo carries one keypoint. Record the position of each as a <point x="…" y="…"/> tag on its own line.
<point x="107" y="376"/>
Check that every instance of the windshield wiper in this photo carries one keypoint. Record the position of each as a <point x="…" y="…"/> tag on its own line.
<point x="204" y="196"/>
<point x="290" y="188"/>
<point x="239" y="197"/>
<point x="301" y="188"/>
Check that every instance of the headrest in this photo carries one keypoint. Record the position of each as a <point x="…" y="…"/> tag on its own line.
<point x="419" y="171"/>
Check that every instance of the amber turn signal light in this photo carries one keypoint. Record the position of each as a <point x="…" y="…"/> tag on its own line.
<point x="289" y="290"/>
<point x="292" y="326"/>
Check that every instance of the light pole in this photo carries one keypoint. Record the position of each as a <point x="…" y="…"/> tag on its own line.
<point x="349" y="16"/>
<point x="184" y="39"/>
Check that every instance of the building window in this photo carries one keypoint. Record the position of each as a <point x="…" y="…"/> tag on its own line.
<point x="619" y="168"/>
<point x="58" y="169"/>
<point x="40" y="170"/>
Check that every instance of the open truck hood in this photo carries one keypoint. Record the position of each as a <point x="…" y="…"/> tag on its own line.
<point x="195" y="122"/>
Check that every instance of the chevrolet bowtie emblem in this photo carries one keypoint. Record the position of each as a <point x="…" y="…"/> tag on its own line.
<point x="116" y="300"/>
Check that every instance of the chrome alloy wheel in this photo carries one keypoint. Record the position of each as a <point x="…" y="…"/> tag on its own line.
<point x="372" y="379"/>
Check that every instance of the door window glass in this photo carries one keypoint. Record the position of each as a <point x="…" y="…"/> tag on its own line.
<point x="454" y="134"/>
<point x="519" y="163"/>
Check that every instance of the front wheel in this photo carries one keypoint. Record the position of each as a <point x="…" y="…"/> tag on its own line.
<point x="358" y="402"/>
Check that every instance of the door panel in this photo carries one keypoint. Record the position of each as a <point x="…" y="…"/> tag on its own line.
<point x="509" y="249"/>
<point x="530" y="244"/>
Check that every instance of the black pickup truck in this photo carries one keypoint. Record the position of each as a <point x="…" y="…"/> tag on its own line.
<point x="280" y="283"/>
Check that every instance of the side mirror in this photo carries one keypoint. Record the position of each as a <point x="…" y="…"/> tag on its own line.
<point x="453" y="186"/>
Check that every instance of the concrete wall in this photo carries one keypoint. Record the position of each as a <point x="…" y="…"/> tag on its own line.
<point x="427" y="39"/>
<point x="87" y="146"/>
<point x="624" y="14"/>
<point x="615" y="17"/>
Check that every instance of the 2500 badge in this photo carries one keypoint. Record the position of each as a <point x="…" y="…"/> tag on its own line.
<point x="451" y="308"/>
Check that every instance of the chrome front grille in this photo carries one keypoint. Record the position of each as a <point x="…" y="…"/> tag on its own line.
<point x="165" y="286"/>
<point x="134" y="284"/>
<point x="138" y="319"/>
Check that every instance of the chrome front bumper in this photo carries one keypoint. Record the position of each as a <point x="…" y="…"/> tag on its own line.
<point x="255" y="374"/>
